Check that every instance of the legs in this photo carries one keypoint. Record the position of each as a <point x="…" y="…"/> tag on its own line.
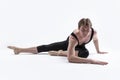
<point x="43" y="48"/>
<point x="83" y="52"/>
<point x="60" y="53"/>
<point x="53" y="47"/>
<point x="19" y="50"/>
<point x="34" y="51"/>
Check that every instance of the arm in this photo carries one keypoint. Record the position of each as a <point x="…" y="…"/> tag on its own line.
<point x="96" y="43"/>
<point x="75" y="59"/>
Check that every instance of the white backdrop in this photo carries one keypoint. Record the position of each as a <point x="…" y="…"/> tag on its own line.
<point x="26" y="23"/>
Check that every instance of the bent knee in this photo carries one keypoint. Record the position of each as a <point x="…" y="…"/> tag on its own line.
<point x="83" y="54"/>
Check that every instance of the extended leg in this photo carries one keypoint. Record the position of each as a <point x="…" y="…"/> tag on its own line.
<point x="42" y="48"/>
<point x="53" y="46"/>
<point x="19" y="50"/>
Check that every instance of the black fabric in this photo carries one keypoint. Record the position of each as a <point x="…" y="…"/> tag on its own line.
<point x="54" y="46"/>
<point x="78" y="40"/>
<point x="83" y="52"/>
<point x="75" y="37"/>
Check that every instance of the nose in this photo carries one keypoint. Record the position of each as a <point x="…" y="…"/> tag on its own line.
<point x="86" y="29"/>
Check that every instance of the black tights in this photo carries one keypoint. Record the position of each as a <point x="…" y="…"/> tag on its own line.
<point x="83" y="52"/>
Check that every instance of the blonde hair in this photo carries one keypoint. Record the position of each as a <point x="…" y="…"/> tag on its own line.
<point x="84" y="22"/>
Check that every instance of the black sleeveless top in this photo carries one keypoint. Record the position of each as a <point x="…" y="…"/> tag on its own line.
<point x="83" y="44"/>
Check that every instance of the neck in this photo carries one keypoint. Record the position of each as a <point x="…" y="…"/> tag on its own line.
<point x="84" y="34"/>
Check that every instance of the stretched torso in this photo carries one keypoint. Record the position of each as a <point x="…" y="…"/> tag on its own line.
<point x="83" y="40"/>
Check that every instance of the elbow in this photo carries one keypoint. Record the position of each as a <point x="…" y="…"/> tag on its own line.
<point x="71" y="59"/>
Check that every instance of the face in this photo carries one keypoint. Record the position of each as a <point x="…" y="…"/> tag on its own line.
<point x="85" y="30"/>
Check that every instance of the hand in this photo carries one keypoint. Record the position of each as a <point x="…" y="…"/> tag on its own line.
<point x="102" y="52"/>
<point x="99" y="62"/>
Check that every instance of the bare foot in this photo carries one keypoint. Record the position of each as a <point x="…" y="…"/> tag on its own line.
<point x="16" y="50"/>
<point x="55" y="53"/>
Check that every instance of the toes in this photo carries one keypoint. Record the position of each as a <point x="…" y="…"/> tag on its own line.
<point x="16" y="50"/>
<point x="11" y="47"/>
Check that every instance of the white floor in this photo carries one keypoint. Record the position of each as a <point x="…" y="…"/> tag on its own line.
<point x="43" y="66"/>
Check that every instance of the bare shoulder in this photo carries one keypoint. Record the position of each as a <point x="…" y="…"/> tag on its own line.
<point x="76" y="31"/>
<point x="95" y="35"/>
<point x="72" y="40"/>
<point x="95" y="32"/>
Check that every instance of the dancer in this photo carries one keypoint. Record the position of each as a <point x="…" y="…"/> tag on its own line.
<point x="73" y="47"/>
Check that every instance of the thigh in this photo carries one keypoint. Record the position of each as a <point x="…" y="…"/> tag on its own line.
<point x="53" y="46"/>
